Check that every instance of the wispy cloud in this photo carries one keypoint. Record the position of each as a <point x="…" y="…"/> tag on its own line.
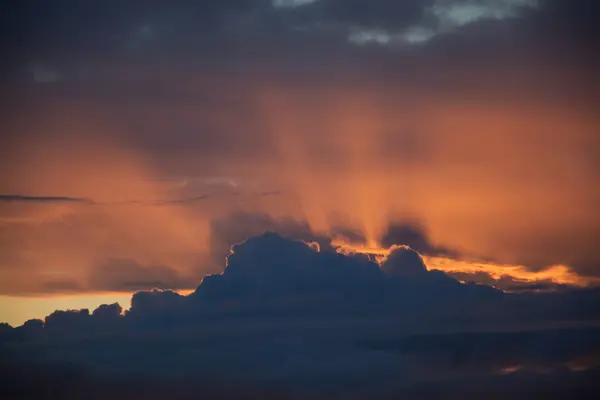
<point x="291" y="3"/>
<point x="19" y="198"/>
<point x="440" y="18"/>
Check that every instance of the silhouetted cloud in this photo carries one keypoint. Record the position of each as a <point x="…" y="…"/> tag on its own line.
<point x="189" y="200"/>
<point x="156" y="302"/>
<point x="285" y="314"/>
<point x="414" y="235"/>
<point x="18" y="198"/>
<point x="507" y="283"/>
<point x="108" y="311"/>
<point x="239" y="226"/>
<point x="404" y="261"/>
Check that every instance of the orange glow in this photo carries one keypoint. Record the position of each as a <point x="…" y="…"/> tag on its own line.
<point x="559" y="274"/>
<point x="15" y="310"/>
<point x="510" y="369"/>
<point x="482" y="175"/>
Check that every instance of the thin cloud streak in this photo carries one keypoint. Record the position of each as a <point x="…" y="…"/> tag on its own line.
<point x="18" y="198"/>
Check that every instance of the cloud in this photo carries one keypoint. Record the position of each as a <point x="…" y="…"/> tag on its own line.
<point x="108" y="311"/>
<point x="442" y="17"/>
<point x="507" y="283"/>
<point x="286" y="314"/>
<point x="404" y="261"/>
<point x="291" y="3"/>
<point x="414" y="235"/>
<point x="18" y="198"/>
<point x="189" y="200"/>
<point x="156" y="302"/>
<point x="454" y="14"/>
<point x="239" y="226"/>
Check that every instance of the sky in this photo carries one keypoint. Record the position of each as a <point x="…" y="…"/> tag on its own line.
<point x="141" y="139"/>
<point x="299" y="199"/>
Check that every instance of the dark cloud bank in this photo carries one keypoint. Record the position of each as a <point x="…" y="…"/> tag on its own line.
<point x="286" y="319"/>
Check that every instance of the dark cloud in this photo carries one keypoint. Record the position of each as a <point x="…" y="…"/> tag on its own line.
<point x="404" y="261"/>
<point x="108" y="311"/>
<point x="189" y="200"/>
<point x="239" y="226"/>
<point x="572" y="246"/>
<point x="67" y="321"/>
<point x="285" y="315"/>
<point x="507" y="283"/>
<point x="414" y="235"/>
<point x="156" y="302"/>
<point x="378" y="13"/>
<point x="18" y="198"/>
<point x="144" y="29"/>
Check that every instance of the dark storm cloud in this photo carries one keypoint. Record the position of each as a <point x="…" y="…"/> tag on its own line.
<point x="285" y="315"/>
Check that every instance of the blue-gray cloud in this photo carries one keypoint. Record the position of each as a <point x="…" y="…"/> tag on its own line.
<point x="285" y="315"/>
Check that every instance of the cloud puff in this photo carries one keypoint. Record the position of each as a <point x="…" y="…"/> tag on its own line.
<point x="239" y="226"/>
<point x="155" y="302"/>
<point x="108" y="311"/>
<point x="404" y="261"/>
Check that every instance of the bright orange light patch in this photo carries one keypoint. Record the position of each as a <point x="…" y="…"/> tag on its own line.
<point x="559" y="274"/>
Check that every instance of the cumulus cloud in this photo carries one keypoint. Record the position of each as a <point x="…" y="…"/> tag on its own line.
<point x="286" y="314"/>
<point x="108" y="311"/>
<point x="404" y="261"/>
<point x="239" y="226"/>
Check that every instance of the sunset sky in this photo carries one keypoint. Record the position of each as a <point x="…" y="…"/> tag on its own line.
<point x="140" y="139"/>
